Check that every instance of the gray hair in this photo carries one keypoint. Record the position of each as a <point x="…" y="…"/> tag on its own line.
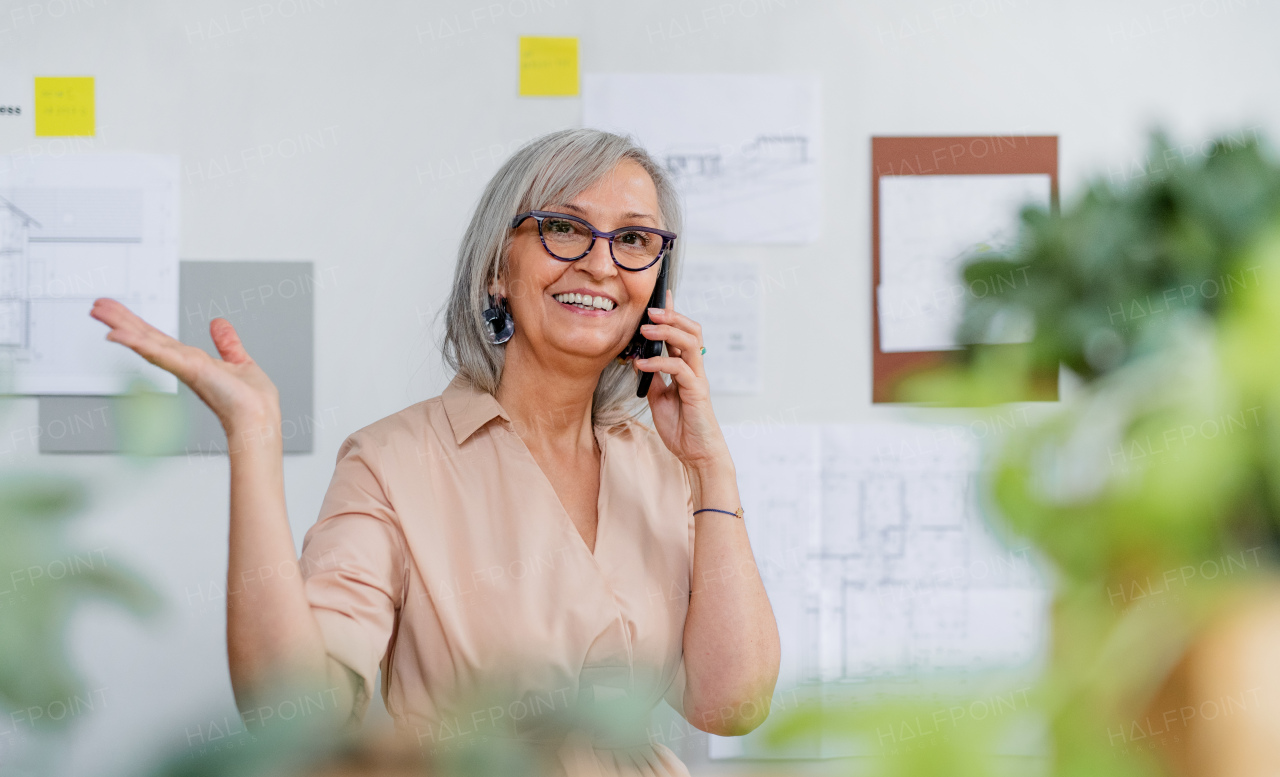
<point x="548" y="170"/>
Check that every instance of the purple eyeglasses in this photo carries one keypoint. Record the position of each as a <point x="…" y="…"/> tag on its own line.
<point x="569" y="238"/>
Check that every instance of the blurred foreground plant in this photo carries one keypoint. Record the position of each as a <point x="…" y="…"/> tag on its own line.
<point x="43" y="578"/>
<point x="1153" y="491"/>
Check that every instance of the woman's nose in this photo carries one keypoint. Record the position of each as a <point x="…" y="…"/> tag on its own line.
<point x="598" y="261"/>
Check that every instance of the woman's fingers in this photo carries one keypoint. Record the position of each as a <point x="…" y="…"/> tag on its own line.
<point x="191" y="365"/>
<point x="682" y="334"/>
<point x="227" y="341"/>
<point x="234" y="387"/>
<point x="674" y="366"/>
<point x="681" y="344"/>
<point x="120" y="318"/>
<point x="669" y="315"/>
<point x="128" y="329"/>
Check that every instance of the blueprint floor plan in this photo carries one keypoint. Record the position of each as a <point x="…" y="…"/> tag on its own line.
<point x="878" y="561"/>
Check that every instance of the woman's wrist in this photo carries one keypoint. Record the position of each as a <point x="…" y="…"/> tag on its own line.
<point x="712" y="464"/>
<point x="712" y="469"/>
<point x="714" y="484"/>
<point x="245" y="433"/>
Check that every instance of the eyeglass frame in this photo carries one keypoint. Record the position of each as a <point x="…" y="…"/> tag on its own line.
<point x="538" y="215"/>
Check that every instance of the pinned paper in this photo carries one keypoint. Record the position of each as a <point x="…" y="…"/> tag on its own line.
<point x="64" y="107"/>
<point x="724" y="297"/>
<point x="102" y="225"/>
<point x="930" y="226"/>
<point x="877" y="555"/>
<point x="548" y="67"/>
<point x="15" y="99"/>
<point x="745" y="156"/>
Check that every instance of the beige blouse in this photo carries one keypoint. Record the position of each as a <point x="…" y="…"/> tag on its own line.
<point x="443" y="556"/>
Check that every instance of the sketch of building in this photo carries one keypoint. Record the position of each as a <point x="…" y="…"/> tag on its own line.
<point x="57" y="245"/>
<point x="762" y="156"/>
<point x="762" y="189"/>
<point x="745" y="155"/>
<point x="783" y="149"/>
<point x="75" y="228"/>
<point x="15" y="271"/>
<point x="700" y="163"/>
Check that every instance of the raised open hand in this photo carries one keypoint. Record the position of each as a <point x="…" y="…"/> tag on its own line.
<point x="235" y="387"/>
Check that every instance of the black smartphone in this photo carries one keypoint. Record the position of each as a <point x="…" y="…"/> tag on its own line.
<point x="642" y="346"/>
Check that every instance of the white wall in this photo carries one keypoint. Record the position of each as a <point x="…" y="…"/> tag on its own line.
<point x="416" y="105"/>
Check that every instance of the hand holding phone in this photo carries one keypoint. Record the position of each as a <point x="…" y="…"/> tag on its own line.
<point x="641" y="346"/>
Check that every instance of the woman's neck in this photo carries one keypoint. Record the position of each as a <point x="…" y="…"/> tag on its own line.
<point x="549" y="405"/>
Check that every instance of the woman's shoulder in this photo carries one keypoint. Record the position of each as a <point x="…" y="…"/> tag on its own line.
<point x="415" y="428"/>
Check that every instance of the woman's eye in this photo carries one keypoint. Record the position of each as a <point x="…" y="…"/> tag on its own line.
<point x="634" y="238"/>
<point x="560" y="226"/>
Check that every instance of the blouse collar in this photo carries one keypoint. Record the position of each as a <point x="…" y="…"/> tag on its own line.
<point x="469" y="408"/>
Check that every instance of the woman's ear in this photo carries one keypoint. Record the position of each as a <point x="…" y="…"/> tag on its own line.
<point x="496" y="287"/>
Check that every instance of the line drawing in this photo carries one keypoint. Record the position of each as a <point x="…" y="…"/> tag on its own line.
<point x="745" y="155"/>
<point x="879" y="564"/>
<point x="15" y="269"/>
<point x="74" y="229"/>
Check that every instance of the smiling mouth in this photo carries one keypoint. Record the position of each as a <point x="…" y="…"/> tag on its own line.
<point x="585" y="302"/>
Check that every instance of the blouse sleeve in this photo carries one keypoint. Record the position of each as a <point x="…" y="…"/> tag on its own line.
<point x="675" y="692"/>
<point x="353" y="566"/>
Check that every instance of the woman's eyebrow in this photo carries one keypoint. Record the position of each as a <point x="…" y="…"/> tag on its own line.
<point x="632" y="215"/>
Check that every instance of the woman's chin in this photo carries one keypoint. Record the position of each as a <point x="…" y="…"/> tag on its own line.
<point x="591" y="349"/>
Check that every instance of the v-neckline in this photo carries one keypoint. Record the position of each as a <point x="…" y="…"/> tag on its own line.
<point x="566" y="519"/>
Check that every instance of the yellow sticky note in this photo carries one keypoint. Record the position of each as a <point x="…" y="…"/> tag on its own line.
<point x="64" y="106"/>
<point x="548" y="67"/>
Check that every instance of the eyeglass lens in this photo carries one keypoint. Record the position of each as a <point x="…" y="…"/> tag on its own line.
<point x="568" y="239"/>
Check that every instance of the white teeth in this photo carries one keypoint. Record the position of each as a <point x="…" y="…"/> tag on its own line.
<point x="585" y="300"/>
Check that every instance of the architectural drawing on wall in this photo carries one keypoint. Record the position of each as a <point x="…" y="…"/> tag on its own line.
<point x="878" y="562"/>
<point x="785" y="149"/>
<point x="15" y="303"/>
<point x="761" y="156"/>
<point x="725" y="181"/>
<point x="725" y="298"/>
<point x="745" y="155"/>
<point x="685" y="165"/>
<point x="930" y="226"/>
<point x="96" y="225"/>
<point x="912" y="578"/>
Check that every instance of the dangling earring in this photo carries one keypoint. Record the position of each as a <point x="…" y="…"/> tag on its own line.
<point x="498" y="317"/>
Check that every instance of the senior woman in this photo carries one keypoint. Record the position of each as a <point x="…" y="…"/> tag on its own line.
<point x="522" y="545"/>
